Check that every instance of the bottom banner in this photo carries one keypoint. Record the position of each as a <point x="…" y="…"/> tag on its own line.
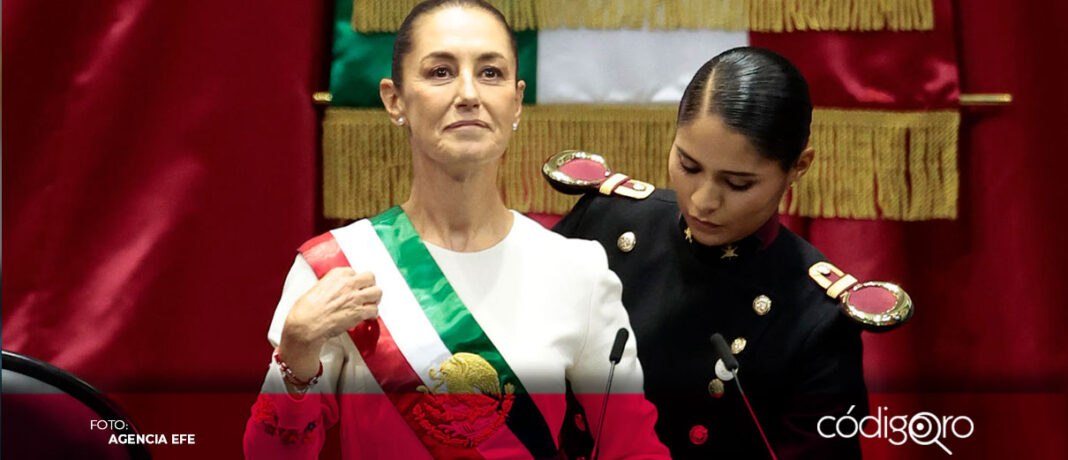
<point x="198" y="425"/>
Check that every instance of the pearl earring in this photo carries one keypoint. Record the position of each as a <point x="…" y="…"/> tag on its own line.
<point x="400" y="121"/>
<point x="515" y="126"/>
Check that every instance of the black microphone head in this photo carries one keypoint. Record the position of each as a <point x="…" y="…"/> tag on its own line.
<point x="617" y="347"/>
<point x="719" y="345"/>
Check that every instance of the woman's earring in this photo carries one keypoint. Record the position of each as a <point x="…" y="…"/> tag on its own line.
<point x="515" y="126"/>
<point x="400" y="121"/>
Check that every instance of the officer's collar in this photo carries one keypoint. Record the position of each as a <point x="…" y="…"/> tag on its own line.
<point x="738" y="250"/>
<point x="767" y="233"/>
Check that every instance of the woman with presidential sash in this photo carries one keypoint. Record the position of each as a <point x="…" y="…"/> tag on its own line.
<point x="448" y="326"/>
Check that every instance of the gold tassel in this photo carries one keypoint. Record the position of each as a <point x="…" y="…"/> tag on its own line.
<point x="869" y="164"/>
<point x="755" y="15"/>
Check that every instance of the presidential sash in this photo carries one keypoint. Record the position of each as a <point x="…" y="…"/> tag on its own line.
<point x="427" y="352"/>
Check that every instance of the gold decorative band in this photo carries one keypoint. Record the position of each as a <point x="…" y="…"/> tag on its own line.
<point x="635" y="189"/>
<point x="869" y="164"/>
<point x="611" y="183"/>
<point x="821" y="272"/>
<point x="322" y="97"/>
<point x="841" y="285"/>
<point x="985" y="99"/>
<point x="754" y="15"/>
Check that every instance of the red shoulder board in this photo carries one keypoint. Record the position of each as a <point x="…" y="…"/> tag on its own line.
<point x="323" y="253"/>
<point x="574" y="172"/>
<point x="877" y="305"/>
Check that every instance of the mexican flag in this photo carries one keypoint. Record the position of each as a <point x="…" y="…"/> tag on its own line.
<point x="606" y="76"/>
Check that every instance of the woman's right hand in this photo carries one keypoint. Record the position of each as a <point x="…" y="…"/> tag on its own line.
<point x="338" y="301"/>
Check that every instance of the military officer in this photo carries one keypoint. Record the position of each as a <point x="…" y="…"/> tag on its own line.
<point x="711" y="257"/>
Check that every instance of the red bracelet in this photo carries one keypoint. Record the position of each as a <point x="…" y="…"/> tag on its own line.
<point x="292" y="379"/>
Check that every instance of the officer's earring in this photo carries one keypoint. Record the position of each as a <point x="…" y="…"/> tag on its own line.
<point x="515" y="126"/>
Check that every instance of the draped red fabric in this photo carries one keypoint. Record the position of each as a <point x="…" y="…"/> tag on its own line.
<point x="884" y="70"/>
<point x="159" y="171"/>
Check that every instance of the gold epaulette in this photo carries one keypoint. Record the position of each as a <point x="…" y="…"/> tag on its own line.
<point x="575" y="172"/>
<point x="877" y="305"/>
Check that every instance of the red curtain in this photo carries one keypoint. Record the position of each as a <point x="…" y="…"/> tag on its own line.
<point x="159" y="168"/>
<point x="159" y="171"/>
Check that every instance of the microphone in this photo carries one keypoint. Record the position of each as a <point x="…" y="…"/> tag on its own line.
<point x="613" y="357"/>
<point x="617" y="347"/>
<point x="727" y="366"/>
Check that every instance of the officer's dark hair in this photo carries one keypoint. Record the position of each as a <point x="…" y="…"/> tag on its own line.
<point x="403" y="44"/>
<point x="757" y="93"/>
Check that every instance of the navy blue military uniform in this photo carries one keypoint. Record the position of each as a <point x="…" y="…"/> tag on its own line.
<point x="800" y="358"/>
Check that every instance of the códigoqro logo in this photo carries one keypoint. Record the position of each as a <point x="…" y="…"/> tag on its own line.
<point x="923" y="428"/>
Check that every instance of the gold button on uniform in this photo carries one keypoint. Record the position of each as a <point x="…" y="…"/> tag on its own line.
<point x="626" y="242"/>
<point x="762" y="305"/>
<point x="738" y="345"/>
<point x="715" y="388"/>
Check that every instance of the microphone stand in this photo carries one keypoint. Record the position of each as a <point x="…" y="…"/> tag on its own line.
<point x="730" y="366"/>
<point x="614" y="357"/>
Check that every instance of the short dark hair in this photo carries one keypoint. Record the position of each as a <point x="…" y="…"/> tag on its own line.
<point x="757" y="93"/>
<point x="403" y="44"/>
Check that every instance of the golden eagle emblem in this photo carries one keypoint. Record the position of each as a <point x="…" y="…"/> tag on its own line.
<point x="471" y="408"/>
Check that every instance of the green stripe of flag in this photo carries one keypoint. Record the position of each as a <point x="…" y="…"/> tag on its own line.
<point x="443" y="307"/>
<point x="455" y="324"/>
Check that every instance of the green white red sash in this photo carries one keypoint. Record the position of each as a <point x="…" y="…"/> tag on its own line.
<point x="422" y="325"/>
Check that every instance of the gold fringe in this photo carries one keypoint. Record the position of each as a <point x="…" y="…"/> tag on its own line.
<point x="869" y="164"/>
<point x="367" y="166"/>
<point x="875" y="164"/>
<point x="755" y="15"/>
